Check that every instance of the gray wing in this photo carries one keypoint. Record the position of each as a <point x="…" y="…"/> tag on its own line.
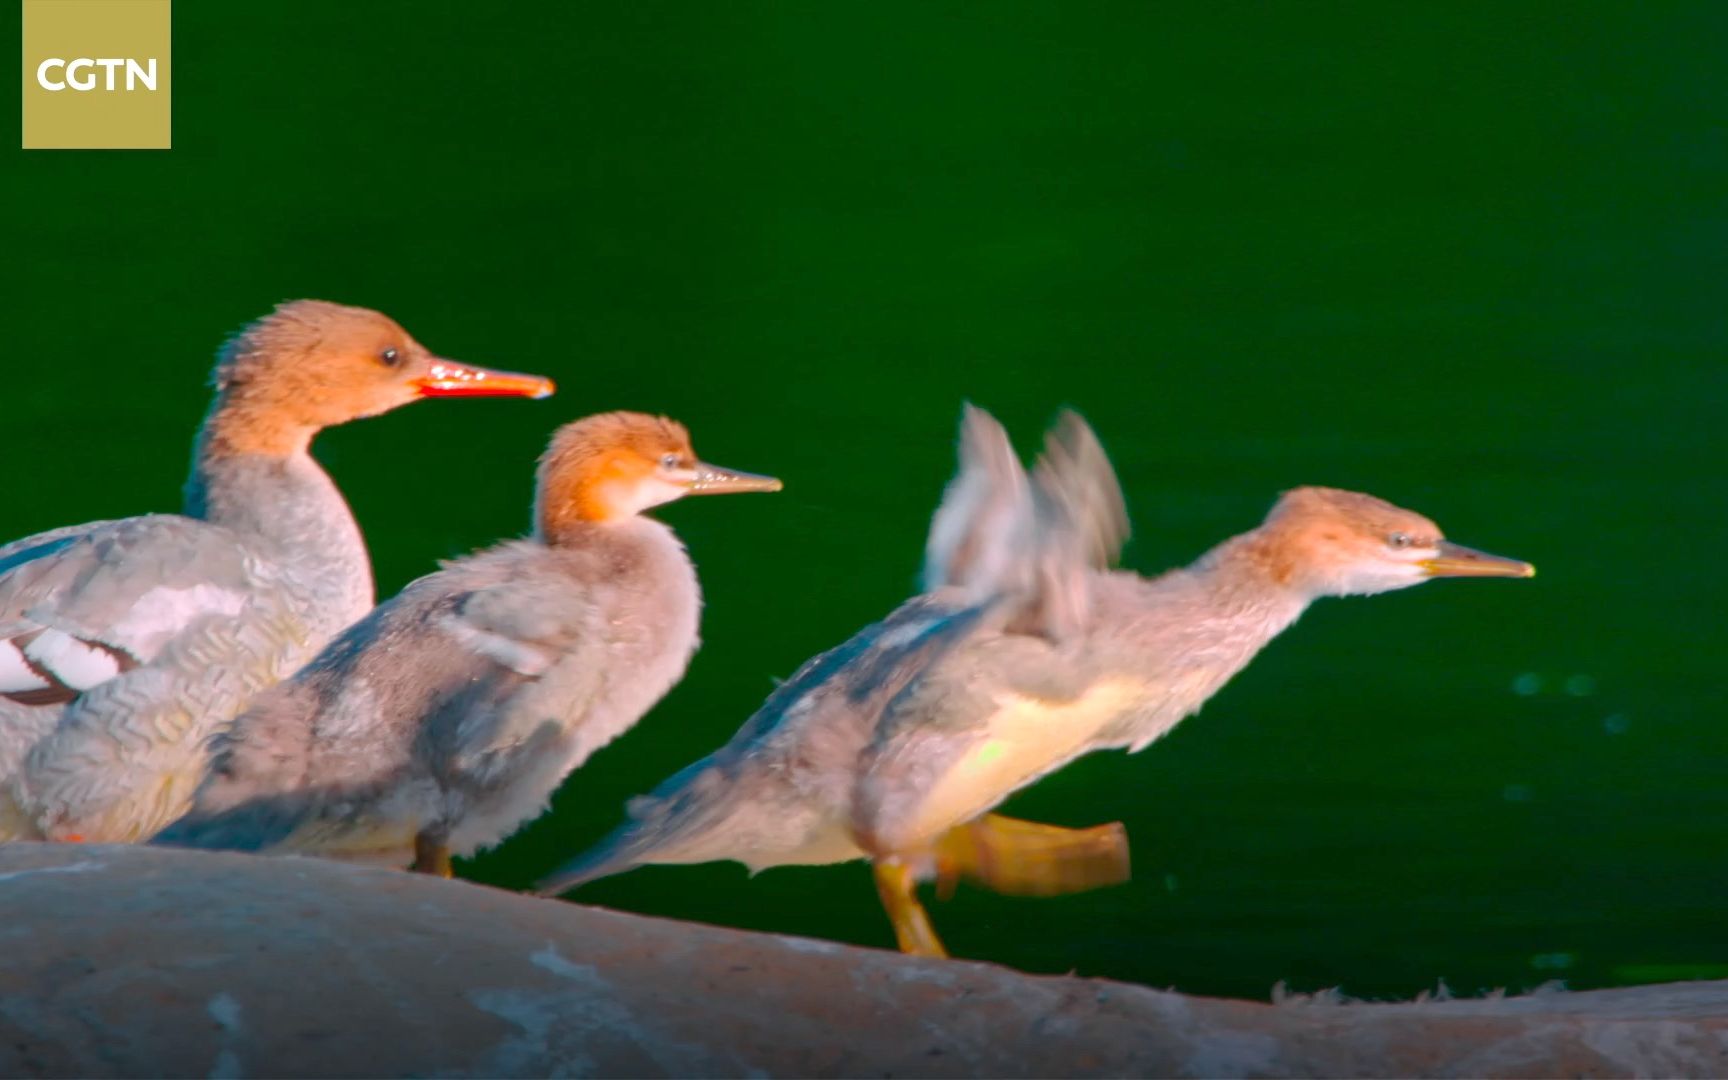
<point x="1079" y="524"/>
<point x="547" y="643"/>
<point x="1079" y="494"/>
<point x="966" y="733"/>
<point x="31" y="547"/>
<point x="438" y="686"/>
<point x="783" y="782"/>
<point x="999" y="535"/>
<point x="983" y="720"/>
<point x="79" y="606"/>
<point x="983" y="524"/>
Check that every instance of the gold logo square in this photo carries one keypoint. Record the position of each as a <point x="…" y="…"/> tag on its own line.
<point x="97" y="75"/>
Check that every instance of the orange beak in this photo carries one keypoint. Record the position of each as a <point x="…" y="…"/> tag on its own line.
<point x="1456" y="560"/>
<point x="448" y="378"/>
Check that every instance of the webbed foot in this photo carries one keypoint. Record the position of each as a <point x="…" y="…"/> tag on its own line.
<point x="1026" y="858"/>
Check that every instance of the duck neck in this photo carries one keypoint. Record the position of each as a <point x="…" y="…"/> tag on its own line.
<point x="1188" y="632"/>
<point x="1250" y="582"/>
<point x="265" y="487"/>
<point x="560" y="525"/>
<point x="572" y="531"/>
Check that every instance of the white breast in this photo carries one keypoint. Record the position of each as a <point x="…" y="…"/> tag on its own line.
<point x="1027" y="737"/>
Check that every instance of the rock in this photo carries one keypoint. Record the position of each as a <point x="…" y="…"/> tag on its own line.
<point x="143" y="962"/>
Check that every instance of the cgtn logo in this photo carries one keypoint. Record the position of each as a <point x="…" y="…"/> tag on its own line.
<point x="137" y="74"/>
<point x="98" y="74"/>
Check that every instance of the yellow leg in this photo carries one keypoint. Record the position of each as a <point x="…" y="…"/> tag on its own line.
<point x="1025" y="858"/>
<point x="895" y="883"/>
<point x="431" y="856"/>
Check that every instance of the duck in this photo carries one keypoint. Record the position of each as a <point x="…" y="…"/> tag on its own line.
<point x="125" y="643"/>
<point x="446" y="718"/>
<point x="1027" y="650"/>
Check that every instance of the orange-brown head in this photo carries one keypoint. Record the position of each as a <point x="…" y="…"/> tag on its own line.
<point x="1328" y="542"/>
<point x="615" y="465"/>
<point x="311" y="364"/>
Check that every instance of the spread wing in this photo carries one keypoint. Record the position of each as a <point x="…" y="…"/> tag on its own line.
<point x="983" y="524"/>
<point x="78" y="606"/>
<point x="988" y="718"/>
<point x="1079" y="524"/>
<point x="1001" y="536"/>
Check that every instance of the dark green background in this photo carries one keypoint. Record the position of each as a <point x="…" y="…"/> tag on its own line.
<point x="1468" y="257"/>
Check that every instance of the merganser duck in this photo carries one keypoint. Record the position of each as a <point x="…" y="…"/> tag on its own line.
<point x="123" y="644"/>
<point x="447" y="717"/>
<point x="897" y="745"/>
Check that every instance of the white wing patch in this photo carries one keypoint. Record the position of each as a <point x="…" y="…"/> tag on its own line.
<point x="75" y="664"/>
<point x="518" y="656"/>
<point x="905" y="633"/>
<point x="164" y="611"/>
<point x="16" y="675"/>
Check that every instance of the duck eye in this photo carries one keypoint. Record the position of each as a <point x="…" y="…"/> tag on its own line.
<point x="1399" y="540"/>
<point x="670" y="461"/>
<point x="390" y="357"/>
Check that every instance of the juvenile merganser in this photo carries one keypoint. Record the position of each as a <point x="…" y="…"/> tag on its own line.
<point x="123" y="644"/>
<point x="446" y="718"/>
<point x="896" y="745"/>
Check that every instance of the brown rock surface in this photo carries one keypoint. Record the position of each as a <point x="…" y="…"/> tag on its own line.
<point x="138" y="962"/>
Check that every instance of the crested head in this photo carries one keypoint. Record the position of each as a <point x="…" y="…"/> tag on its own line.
<point x="311" y="364"/>
<point x="1327" y="542"/>
<point x="613" y="466"/>
<point x="318" y="363"/>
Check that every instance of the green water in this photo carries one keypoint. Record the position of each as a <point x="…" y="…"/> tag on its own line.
<point x="1470" y="258"/>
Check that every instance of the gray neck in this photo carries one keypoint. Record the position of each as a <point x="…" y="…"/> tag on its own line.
<point x="1245" y="585"/>
<point x="287" y="509"/>
<point x="1186" y="633"/>
<point x="1200" y="625"/>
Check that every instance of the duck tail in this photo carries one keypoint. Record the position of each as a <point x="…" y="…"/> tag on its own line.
<point x="677" y="823"/>
<point x="613" y="855"/>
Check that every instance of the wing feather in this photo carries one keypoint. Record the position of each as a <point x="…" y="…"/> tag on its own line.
<point x="529" y="630"/>
<point x="1034" y="542"/>
<point x="85" y="604"/>
<point x="983" y="523"/>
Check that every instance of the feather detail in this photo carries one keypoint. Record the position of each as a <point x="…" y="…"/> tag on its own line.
<point x="51" y="667"/>
<point x="518" y="656"/>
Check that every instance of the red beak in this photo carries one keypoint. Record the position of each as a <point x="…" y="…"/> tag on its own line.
<point x="447" y="378"/>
